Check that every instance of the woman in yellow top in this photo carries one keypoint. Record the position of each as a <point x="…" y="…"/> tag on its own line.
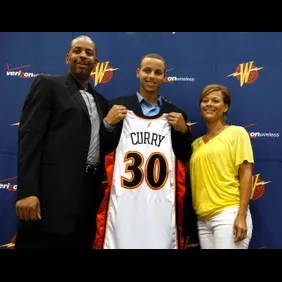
<point x="221" y="176"/>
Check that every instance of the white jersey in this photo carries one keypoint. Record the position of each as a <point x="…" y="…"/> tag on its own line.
<point x="139" y="210"/>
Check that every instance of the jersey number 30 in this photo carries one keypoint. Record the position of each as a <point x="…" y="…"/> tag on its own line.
<point x="155" y="170"/>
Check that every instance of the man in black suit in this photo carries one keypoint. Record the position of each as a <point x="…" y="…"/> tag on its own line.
<point x="60" y="156"/>
<point x="147" y="102"/>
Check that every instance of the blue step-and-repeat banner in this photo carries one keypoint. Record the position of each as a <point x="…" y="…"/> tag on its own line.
<point x="248" y="63"/>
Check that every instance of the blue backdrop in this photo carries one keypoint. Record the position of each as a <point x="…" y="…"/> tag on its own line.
<point x="248" y="63"/>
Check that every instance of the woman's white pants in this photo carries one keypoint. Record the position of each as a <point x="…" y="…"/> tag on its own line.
<point x="217" y="232"/>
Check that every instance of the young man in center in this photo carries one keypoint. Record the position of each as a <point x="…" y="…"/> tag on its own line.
<point x="148" y="145"/>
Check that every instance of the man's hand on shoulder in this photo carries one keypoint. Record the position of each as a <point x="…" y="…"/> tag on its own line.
<point x="28" y="208"/>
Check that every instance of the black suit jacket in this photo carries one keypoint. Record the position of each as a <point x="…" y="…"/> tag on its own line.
<point x="54" y="136"/>
<point x="181" y="142"/>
